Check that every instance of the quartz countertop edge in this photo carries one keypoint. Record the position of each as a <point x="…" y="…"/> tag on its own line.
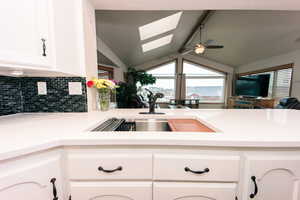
<point x="23" y="134"/>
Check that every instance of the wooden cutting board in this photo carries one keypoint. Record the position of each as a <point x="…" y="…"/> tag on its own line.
<point x="188" y="125"/>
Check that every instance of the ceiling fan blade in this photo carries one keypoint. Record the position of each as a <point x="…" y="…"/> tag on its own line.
<point x="214" y="46"/>
<point x="208" y="42"/>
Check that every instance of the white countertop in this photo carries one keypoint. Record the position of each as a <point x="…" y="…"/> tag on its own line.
<point x="26" y="133"/>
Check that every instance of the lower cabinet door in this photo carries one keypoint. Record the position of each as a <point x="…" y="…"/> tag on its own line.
<point x="272" y="178"/>
<point x="194" y="191"/>
<point x="111" y="190"/>
<point x="31" y="181"/>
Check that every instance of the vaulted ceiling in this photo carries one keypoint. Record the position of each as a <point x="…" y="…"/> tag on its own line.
<point x="120" y="31"/>
<point x="247" y="35"/>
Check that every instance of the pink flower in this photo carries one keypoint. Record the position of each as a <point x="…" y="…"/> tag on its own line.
<point x="114" y="81"/>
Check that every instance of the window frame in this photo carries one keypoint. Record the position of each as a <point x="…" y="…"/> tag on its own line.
<point x="178" y="80"/>
<point x="175" y="61"/>
<point x="224" y="78"/>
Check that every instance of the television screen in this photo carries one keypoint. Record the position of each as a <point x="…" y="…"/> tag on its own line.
<point x="254" y="85"/>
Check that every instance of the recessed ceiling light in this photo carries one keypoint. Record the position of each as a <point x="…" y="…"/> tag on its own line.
<point x="160" y="26"/>
<point x="157" y="43"/>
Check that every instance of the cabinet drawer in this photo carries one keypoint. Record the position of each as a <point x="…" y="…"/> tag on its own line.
<point x="188" y="167"/>
<point x="110" y="167"/>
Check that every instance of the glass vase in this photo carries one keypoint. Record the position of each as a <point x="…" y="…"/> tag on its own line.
<point x="104" y="99"/>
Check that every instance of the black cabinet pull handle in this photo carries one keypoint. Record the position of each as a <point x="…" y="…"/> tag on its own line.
<point x="253" y="178"/>
<point x="53" y="180"/>
<point x="110" y="171"/>
<point x="206" y="170"/>
<point x="44" y="47"/>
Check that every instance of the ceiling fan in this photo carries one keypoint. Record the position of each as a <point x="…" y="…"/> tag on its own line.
<point x="201" y="47"/>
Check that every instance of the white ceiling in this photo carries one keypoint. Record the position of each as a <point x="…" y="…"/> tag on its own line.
<point x="120" y="31"/>
<point x="247" y="35"/>
<point x="197" y="4"/>
<point x="252" y="35"/>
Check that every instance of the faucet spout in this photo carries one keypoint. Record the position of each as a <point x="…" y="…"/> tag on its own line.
<point x="152" y="102"/>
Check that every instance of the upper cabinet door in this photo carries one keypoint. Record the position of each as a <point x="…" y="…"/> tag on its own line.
<point x="25" y="33"/>
<point x="275" y="178"/>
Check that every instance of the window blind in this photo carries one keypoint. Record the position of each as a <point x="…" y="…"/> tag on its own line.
<point x="283" y="83"/>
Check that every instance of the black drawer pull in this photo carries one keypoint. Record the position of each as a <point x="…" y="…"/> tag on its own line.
<point x="253" y="178"/>
<point x="206" y="170"/>
<point x="110" y="171"/>
<point x="53" y="180"/>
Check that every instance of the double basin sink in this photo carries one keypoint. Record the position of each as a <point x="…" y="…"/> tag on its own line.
<point x="153" y="125"/>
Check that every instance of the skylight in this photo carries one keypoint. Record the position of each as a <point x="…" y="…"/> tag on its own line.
<point x="157" y="43"/>
<point x="159" y="26"/>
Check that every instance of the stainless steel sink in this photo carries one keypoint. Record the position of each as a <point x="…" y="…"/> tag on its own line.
<point x="115" y="124"/>
<point x="150" y="124"/>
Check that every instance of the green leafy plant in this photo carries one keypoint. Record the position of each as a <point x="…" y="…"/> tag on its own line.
<point x="127" y="92"/>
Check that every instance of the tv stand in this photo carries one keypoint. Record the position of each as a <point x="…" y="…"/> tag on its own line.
<point x="250" y="102"/>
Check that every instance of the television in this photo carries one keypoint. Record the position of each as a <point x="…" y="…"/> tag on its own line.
<point x="253" y="85"/>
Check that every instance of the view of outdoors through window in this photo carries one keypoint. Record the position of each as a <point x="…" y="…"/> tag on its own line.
<point x="203" y="83"/>
<point x="165" y="81"/>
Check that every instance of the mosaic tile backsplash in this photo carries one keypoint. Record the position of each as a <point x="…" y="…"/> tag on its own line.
<point x="21" y="95"/>
<point x="10" y="95"/>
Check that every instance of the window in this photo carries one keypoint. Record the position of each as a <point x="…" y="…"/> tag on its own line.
<point x="105" y="72"/>
<point x="280" y="80"/>
<point x="156" y="28"/>
<point x="198" y="82"/>
<point x="203" y="83"/>
<point x="282" y="85"/>
<point x="165" y="81"/>
<point x="160" y="26"/>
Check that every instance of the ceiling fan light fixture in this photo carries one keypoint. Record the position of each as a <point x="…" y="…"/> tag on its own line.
<point x="199" y="49"/>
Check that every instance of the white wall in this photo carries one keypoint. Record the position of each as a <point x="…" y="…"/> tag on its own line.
<point x="88" y="48"/>
<point x="108" y="52"/>
<point x="197" y="59"/>
<point x="292" y="57"/>
<point x="119" y="74"/>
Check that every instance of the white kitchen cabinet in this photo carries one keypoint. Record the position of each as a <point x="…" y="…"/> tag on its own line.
<point x="67" y="28"/>
<point x="30" y="179"/>
<point x="24" y="24"/>
<point x="276" y="177"/>
<point x="111" y="190"/>
<point x="194" y="191"/>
